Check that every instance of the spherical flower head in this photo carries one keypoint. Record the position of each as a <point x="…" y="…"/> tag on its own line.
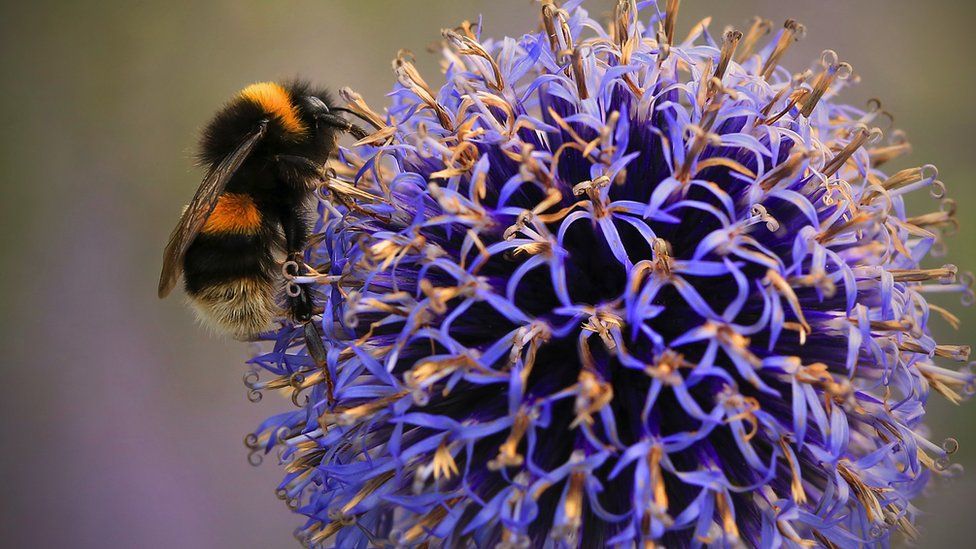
<point x="608" y="286"/>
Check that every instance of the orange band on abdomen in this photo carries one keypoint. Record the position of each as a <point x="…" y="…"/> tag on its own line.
<point x="235" y="213"/>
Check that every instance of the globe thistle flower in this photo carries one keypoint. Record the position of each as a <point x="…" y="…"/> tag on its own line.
<point x="612" y="286"/>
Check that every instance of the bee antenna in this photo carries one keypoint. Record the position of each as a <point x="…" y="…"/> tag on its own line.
<point x="357" y="131"/>
<point x="356" y="114"/>
<point x="342" y="124"/>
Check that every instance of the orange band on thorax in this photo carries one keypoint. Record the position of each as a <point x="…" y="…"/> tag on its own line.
<point x="274" y="99"/>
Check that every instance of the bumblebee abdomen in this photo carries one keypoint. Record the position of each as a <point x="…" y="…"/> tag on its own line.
<point x="229" y="270"/>
<point x="235" y="213"/>
<point x="242" y="307"/>
<point x="213" y="259"/>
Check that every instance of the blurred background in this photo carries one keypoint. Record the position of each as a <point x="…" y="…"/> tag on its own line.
<point x="122" y="422"/>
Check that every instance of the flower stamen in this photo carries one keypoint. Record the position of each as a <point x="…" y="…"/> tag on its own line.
<point x="757" y="30"/>
<point x="792" y="31"/>
<point x="730" y="43"/>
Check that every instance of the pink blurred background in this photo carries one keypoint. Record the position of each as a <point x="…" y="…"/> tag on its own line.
<point x="122" y="422"/>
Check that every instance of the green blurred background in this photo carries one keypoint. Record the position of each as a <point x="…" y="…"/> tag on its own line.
<point x="121" y="420"/>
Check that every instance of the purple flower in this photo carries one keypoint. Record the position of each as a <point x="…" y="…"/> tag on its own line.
<point x="608" y="286"/>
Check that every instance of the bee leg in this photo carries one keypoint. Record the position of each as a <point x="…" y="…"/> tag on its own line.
<point x="299" y="298"/>
<point x="297" y="168"/>
<point x="316" y="350"/>
<point x="296" y="230"/>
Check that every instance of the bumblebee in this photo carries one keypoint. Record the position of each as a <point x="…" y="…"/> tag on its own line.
<point x="263" y="151"/>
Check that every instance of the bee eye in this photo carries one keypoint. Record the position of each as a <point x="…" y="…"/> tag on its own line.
<point x="315" y="106"/>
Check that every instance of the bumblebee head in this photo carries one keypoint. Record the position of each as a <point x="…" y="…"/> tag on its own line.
<point x="319" y="115"/>
<point x="319" y="112"/>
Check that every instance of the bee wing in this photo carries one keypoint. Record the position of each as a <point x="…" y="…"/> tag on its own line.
<point x="200" y="208"/>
